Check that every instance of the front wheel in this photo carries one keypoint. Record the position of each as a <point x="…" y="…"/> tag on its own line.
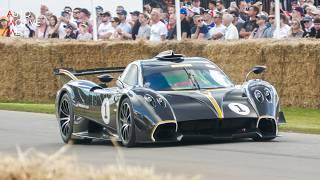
<point x="66" y="118"/>
<point x="126" y="124"/>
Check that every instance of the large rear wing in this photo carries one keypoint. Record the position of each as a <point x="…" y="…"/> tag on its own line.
<point x="67" y="74"/>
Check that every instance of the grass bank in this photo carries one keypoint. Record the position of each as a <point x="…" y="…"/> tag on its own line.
<point x="299" y="120"/>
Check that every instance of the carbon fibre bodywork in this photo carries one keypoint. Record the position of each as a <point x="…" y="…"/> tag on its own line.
<point x="229" y="112"/>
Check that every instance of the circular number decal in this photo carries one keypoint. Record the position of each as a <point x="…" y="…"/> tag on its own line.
<point x="105" y="111"/>
<point x="239" y="108"/>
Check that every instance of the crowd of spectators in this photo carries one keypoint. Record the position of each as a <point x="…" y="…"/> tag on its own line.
<point x="241" y="19"/>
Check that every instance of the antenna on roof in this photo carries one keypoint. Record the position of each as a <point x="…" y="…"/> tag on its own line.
<point x="169" y="56"/>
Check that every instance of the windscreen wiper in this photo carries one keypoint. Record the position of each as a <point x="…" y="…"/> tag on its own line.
<point x="192" y="79"/>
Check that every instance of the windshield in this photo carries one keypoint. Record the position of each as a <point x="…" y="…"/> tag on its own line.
<point x="188" y="77"/>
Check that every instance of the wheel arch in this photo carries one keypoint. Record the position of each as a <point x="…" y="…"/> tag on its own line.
<point x="65" y="89"/>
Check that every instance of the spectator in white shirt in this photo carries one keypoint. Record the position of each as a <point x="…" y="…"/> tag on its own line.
<point x="158" y="29"/>
<point x="218" y="30"/>
<point x="284" y="31"/>
<point x="105" y="27"/>
<point x="231" y="31"/>
<point x="30" y="24"/>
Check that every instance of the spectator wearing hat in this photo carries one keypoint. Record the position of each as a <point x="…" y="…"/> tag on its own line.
<point x="144" y="29"/>
<point x="250" y="24"/>
<point x="185" y="24"/>
<point x="135" y="24"/>
<point x="315" y="30"/>
<point x="200" y="30"/>
<point x="260" y="31"/>
<point x="217" y="32"/>
<point x="307" y="25"/>
<point x="5" y="30"/>
<point x="309" y="10"/>
<point x="105" y="27"/>
<point x="158" y="29"/>
<point x="69" y="32"/>
<point x="296" y="30"/>
<point x="124" y="29"/>
<point x="84" y="32"/>
<point x="119" y="9"/>
<point x="231" y="31"/>
<point x="315" y="13"/>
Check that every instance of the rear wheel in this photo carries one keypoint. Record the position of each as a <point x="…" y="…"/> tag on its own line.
<point x="126" y="124"/>
<point x="66" y="118"/>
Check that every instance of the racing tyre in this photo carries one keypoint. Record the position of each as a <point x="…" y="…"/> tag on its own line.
<point x="66" y="118"/>
<point x="126" y="124"/>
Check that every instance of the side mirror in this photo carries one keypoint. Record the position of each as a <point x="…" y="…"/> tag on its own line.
<point x="258" y="69"/>
<point x="105" y="78"/>
<point x="119" y="84"/>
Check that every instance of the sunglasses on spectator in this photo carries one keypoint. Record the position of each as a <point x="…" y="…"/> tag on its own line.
<point x="76" y="12"/>
<point x="200" y="20"/>
<point x="271" y="17"/>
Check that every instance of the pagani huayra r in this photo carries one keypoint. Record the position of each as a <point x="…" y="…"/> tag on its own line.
<point x="165" y="99"/>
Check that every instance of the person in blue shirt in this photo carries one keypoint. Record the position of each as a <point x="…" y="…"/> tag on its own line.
<point x="200" y="29"/>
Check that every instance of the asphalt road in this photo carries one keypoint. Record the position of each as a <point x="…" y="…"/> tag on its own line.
<point x="293" y="156"/>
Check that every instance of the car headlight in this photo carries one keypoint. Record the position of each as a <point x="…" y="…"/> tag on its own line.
<point x="258" y="95"/>
<point x="161" y="101"/>
<point x="150" y="100"/>
<point x="267" y="94"/>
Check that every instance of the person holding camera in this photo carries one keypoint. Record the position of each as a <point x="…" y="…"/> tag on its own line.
<point x="63" y="20"/>
<point x="30" y="25"/>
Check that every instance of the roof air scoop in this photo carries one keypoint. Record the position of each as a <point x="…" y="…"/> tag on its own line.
<point x="169" y="56"/>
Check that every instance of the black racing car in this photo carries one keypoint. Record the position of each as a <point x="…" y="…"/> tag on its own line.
<point x="165" y="99"/>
